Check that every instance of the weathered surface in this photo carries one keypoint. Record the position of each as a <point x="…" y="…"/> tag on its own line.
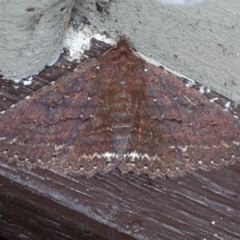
<point x="199" y="41"/>
<point x="39" y="204"/>
<point x="31" y="35"/>
<point x="117" y="111"/>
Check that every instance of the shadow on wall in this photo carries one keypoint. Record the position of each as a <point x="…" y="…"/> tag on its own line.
<point x="2" y="238"/>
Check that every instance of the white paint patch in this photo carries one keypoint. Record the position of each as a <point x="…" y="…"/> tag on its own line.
<point x="201" y="89"/>
<point x="3" y="138"/>
<point x="190" y="82"/>
<point x="227" y="105"/>
<point x="214" y="99"/>
<point x="78" y="41"/>
<point x="27" y="82"/>
<point x="17" y="80"/>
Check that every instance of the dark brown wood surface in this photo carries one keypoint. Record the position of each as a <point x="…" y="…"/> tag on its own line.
<point x="39" y="204"/>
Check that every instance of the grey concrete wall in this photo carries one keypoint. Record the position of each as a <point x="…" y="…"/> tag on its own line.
<point x="31" y="35"/>
<point x="199" y="41"/>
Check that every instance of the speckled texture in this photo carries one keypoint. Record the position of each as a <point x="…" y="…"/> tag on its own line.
<point x="31" y="35"/>
<point x="37" y="203"/>
<point x="200" y="41"/>
<point x="117" y="111"/>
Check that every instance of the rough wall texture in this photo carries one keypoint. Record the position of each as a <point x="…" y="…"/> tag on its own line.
<point x="200" y="41"/>
<point x="31" y="35"/>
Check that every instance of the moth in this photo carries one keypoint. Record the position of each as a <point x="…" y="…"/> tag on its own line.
<point x="119" y="112"/>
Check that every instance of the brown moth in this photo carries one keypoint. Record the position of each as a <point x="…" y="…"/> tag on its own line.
<point x="118" y="111"/>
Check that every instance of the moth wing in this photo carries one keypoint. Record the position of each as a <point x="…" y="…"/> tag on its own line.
<point x="41" y="129"/>
<point x="201" y="134"/>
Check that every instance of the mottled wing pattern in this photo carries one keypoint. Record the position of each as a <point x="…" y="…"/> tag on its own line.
<point x="40" y="130"/>
<point x="118" y="111"/>
<point x="201" y="134"/>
